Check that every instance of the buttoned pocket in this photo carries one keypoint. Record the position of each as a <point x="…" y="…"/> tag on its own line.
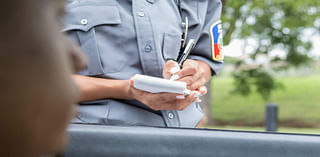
<point x="171" y="46"/>
<point x="86" y="16"/>
<point x="88" y="21"/>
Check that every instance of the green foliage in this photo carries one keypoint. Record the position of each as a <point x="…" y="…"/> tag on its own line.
<point x="230" y="60"/>
<point x="298" y="103"/>
<point x="315" y="131"/>
<point x="246" y="80"/>
<point x="273" y="24"/>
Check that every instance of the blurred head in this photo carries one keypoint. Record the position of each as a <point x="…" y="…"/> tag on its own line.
<point x="36" y="88"/>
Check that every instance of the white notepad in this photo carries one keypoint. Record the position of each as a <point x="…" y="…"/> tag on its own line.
<point x="159" y="85"/>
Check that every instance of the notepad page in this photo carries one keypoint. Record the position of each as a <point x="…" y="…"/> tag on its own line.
<point x="158" y="85"/>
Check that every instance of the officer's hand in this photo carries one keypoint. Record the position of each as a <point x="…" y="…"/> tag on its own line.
<point x="163" y="101"/>
<point x="196" y="74"/>
<point x="171" y="67"/>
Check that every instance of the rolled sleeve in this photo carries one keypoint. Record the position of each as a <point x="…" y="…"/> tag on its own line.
<point x="208" y="13"/>
<point x="215" y="66"/>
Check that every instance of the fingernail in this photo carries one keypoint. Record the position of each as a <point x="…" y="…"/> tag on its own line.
<point x="203" y="90"/>
<point x="180" y="97"/>
<point x="174" y="77"/>
<point x="174" y="70"/>
<point x="197" y="95"/>
<point x="131" y="82"/>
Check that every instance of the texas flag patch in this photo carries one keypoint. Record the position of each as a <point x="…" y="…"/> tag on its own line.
<point x="216" y="41"/>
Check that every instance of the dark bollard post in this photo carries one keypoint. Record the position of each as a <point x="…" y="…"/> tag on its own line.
<point x="271" y="119"/>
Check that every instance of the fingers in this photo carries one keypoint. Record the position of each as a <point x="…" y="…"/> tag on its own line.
<point x="191" y="63"/>
<point x="190" y="80"/>
<point x="169" y="101"/>
<point x="183" y="104"/>
<point x="164" y="101"/>
<point x="180" y="103"/>
<point x="190" y="74"/>
<point x="197" y="84"/>
<point x="203" y="90"/>
<point x="190" y="68"/>
<point x="156" y="101"/>
<point x="195" y="74"/>
<point x="171" y="67"/>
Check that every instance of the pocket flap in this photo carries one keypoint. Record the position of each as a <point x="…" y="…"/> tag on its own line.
<point x="85" y="17"/>
<point x="171" y="46"/>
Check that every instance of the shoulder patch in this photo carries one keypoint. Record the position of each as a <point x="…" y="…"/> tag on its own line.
<point x="216" y="41"/>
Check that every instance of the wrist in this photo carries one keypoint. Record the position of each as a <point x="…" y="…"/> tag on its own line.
<point x="205" y="69"/>
<point x="127" y="90"/>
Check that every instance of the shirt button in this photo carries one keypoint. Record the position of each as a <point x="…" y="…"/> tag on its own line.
<point x="148" y="48"/>
<point x="141" y="14"/>
<point x="170" y="115"/>
<point x="84" y="21"/>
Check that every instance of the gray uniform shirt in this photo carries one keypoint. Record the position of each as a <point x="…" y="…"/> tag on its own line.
<point x="127" y="37"/>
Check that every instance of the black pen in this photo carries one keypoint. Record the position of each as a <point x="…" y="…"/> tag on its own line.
<point x="185" y="55"/>
<point x="186" y="52"/>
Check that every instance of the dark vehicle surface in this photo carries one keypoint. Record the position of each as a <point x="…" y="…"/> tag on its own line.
<point x="105" y="141"/>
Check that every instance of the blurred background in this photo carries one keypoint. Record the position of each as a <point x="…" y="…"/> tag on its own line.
<point x="272" y="56"/>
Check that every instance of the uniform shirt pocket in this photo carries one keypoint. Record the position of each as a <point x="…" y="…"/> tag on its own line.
<point x="171" y="46"/>
<point x="82" y="20"/>
<point x="86" y="17"/>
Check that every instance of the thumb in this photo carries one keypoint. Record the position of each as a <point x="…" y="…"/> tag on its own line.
<point x="170" y="68"/>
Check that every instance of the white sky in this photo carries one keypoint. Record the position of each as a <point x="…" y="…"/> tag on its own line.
<point x="237" y="48"/>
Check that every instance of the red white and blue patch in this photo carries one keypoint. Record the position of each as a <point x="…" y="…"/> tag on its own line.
<point x="216" y="41"/>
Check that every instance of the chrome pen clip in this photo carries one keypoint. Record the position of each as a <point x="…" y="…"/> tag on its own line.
<point x="185" y="26"/>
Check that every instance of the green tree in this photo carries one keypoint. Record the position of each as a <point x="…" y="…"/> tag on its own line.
<point x="273" y="24"/>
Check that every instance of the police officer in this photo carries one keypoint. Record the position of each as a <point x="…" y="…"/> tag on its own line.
<point x="127" y="37"/>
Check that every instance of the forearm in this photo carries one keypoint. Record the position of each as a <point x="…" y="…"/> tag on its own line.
<point x="92" y="88"/>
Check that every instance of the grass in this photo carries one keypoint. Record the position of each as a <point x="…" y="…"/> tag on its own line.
<point x="298" y="102"/>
